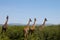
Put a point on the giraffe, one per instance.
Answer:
(33, 26)
(26, 28)
(43, 25)
(4, 27)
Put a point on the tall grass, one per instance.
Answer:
(16, 33)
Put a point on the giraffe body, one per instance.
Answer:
(4, 27)
(43, 25)
(26, 29)
(32, 29)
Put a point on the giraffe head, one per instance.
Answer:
(45, 19)
(30, 20)
(7, 17)
(34, 19)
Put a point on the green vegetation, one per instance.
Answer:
(16, 33)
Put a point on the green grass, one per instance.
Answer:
(16, 33)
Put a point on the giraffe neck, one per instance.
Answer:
(34, 24)
(28, 24)
(6, 22)
(43, 23)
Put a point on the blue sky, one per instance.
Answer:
(19, 11)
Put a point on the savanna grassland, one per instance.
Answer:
(51, 32)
